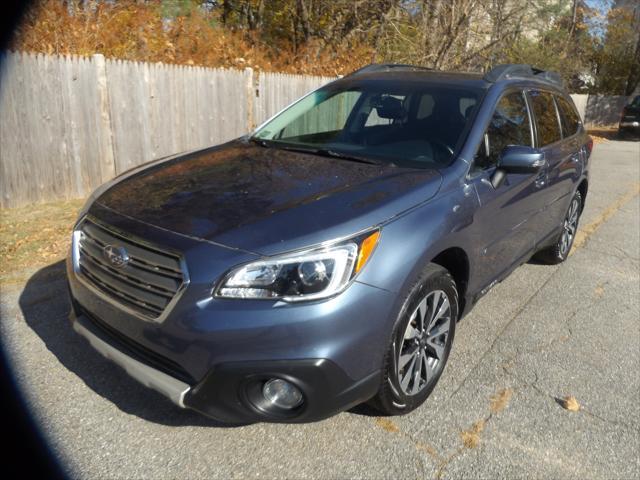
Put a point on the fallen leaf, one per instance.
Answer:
(570, 403)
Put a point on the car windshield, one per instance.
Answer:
(418, 126)
(636, 102)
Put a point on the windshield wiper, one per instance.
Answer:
(325, 152)
(259, 142)
(353, 158)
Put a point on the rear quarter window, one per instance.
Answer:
(569, 116)
(544, 110)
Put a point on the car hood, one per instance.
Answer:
(266, 200)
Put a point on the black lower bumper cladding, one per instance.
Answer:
(232, 392)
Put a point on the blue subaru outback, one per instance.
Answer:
(324, 260)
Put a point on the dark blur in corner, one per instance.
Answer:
(25, 453)
(12, 12)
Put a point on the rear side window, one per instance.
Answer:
(569, 116)
(544, 110)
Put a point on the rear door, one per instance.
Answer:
(557, 135)
(503, 225)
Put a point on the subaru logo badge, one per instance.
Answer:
(117, 256)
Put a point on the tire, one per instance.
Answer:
(401, 389)
(559, 251)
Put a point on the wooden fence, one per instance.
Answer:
(69, 124)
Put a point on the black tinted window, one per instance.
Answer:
(509, 126)
(546, 117)
(569, 116)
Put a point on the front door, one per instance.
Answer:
(505, 225)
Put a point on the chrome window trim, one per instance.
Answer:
(552, 93)
(75, 262)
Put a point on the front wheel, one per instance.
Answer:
(420, 343)
(559, 252)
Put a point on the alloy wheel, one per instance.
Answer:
(423, 345)
(569, 227)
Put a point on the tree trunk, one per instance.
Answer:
(633, 80)
(304, 19)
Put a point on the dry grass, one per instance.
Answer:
(603, 134)
(387, 425)
(471, 437)
(35, 235)
(429, 450)
(500, 400)
(599, 291)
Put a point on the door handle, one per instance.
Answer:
(541, 179)
(487, 182)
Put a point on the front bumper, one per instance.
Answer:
(229, 393)
(332, 349)
(172, 388)
(630, 127)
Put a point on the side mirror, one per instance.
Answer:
(517, 159)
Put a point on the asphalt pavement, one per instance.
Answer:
(543, 334)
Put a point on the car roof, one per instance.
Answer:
(412, 74)
(416, 77)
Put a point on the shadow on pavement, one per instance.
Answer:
(45, 306)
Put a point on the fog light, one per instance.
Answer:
(282, 394)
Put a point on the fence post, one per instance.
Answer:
(250, 100)
(107, 158)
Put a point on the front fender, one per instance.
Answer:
(410, 242)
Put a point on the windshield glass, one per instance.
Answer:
(415, 125)
(636, 102)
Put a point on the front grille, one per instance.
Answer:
(146, 284)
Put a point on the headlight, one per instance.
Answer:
(309, 275)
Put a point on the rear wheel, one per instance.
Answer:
(420, 343)
(559, 252)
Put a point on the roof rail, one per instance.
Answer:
(387, 67)
(503, 72)
(551, 77)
